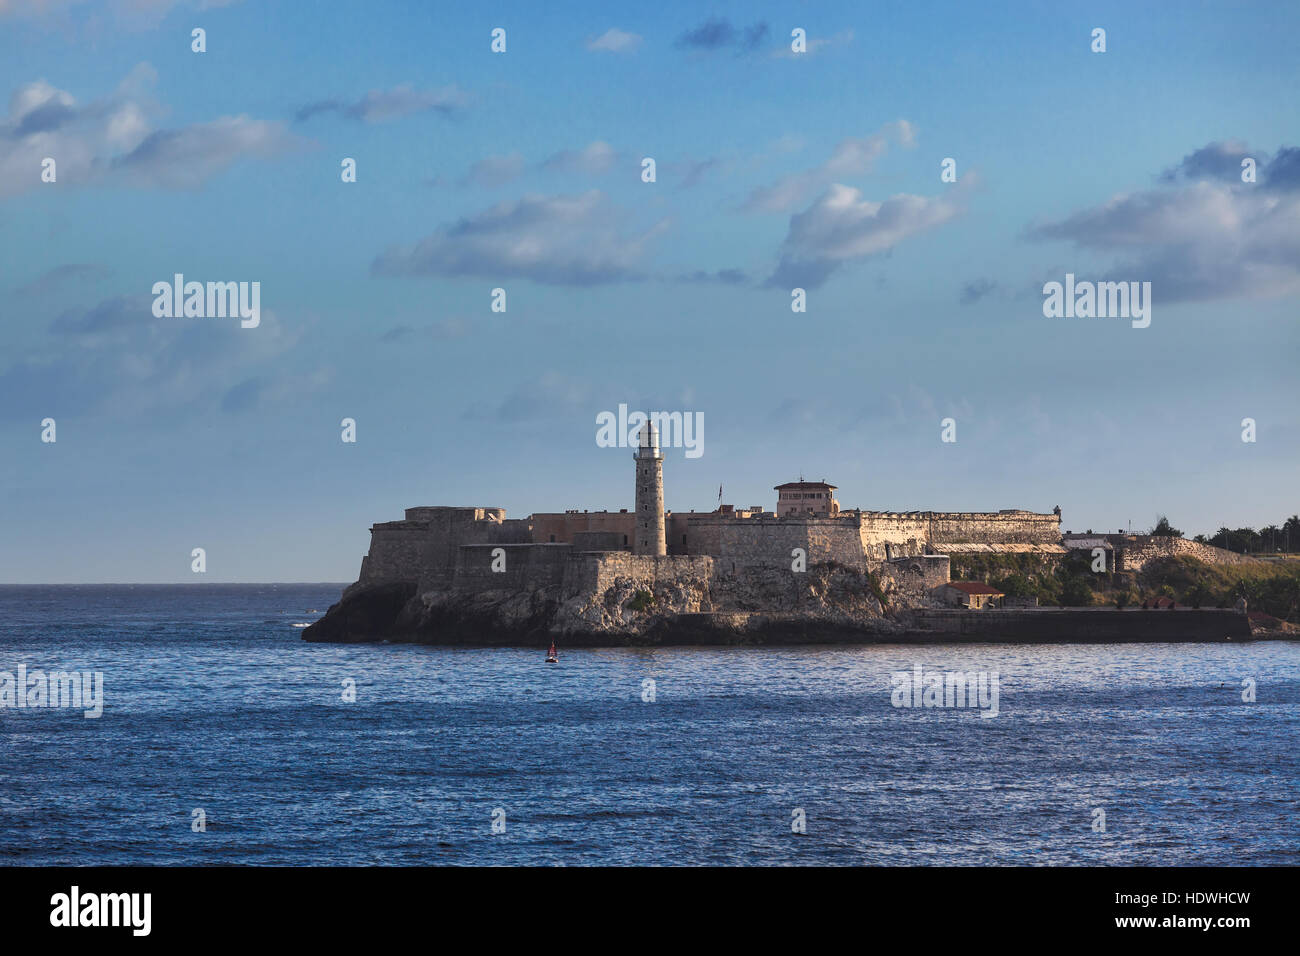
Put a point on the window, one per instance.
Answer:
(552, 539)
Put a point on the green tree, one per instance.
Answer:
(1164, 529)
(1017, 585)
(1076, 592)
(1291, 533)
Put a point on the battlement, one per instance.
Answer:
(442, 547)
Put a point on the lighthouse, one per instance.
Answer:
(649, 537)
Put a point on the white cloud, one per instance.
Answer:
(115, 355)
(114, 137)
(131, 14)
(841, 226)
(184, 158)
(1212, 238)
(495, 170)
(594, 159)
(559, 240)
(382, 106)
(850, 157)
(614, 40)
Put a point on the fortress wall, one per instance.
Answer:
(1006, 527)
(834, 540)
(703, 535)
(394, 555)
(597, 572)
(1132, 555)
(761, 543)
(426, 547)
(743, 543)
(908, 533)
(527, 567)
(597, 541)
(427, 512)
(677, 529)
(921, 574)
(563, 525)
(450, 528)
(905, 534)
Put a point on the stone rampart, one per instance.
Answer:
(1133, 552)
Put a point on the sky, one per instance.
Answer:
(523, 170)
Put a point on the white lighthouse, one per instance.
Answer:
(650, 537)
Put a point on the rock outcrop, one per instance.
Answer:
(827, 602)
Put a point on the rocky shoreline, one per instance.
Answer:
(832, 606)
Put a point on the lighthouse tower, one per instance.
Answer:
(649, 537)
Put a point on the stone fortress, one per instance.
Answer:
(806, 571)
(468, 549)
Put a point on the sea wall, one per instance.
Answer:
(1079, 625)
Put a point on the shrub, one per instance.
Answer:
(1076, 592)
(641, 601)
(873, 583)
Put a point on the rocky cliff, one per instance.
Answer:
(693, 605)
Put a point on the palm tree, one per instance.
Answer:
(1291, 531)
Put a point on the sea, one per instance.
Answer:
(224, 738)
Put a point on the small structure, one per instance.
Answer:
(806, 498)
(971, 594)
(924, 572)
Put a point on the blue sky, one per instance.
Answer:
(522, 170)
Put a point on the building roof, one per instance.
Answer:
(973, 587)
(978, 547)
(804, 484)
(1077, 543)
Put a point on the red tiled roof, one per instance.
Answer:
(973, 587)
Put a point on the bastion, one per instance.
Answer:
(804, 571)
(446, 574)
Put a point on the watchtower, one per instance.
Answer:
(650, 537)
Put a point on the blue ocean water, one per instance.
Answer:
(213, 702)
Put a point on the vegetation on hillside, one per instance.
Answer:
(1271, 587)
(1271, 539)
